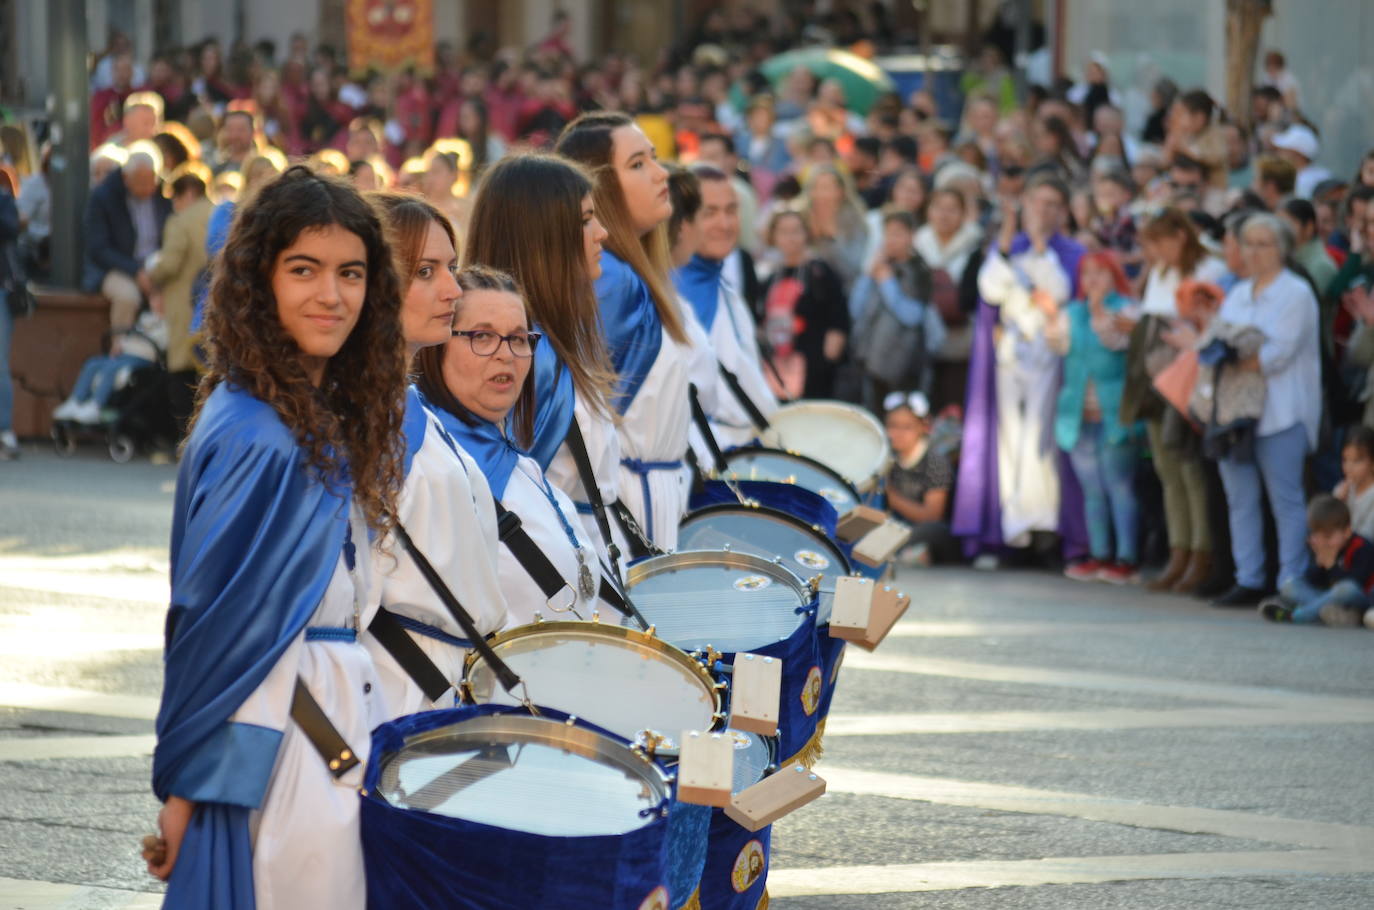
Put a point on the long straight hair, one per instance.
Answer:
(589, 141)
(527, 221)
(1175, 222)
(406, 219)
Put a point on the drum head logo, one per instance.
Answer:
(752, 582)
(811, 692)
(740, 740)
(811, 559)
(749, 867)
(657, 899)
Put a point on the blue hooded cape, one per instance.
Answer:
(255, 540)
(554, 398)
(699, 284)
(634, 332)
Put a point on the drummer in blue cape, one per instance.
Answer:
(707, 221)
(648, 344)
(446, 506)
(291, 468)
(479, 380)
(534, 218)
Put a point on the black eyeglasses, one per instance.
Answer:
(485, 344)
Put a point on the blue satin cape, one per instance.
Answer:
(634, 333)
(554, 398)
(255, 541)
(699, 284)
(494, 453)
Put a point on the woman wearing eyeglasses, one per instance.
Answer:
(478, 382)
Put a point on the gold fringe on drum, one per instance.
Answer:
(809, 754)
(693, 902)
(763, 901)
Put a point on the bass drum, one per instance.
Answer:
(842, 436)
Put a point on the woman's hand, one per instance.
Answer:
(1180, 335)
(832, 346)
(1044, 302)
(1124, 323)
(160, 853)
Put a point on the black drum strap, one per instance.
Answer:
(527, 553)
(755, 415)
(704, 428)
(640, 546)
(578, 447)
(408, 654)
(323, 735)
(507, 677)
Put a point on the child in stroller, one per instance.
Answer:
(123, 394)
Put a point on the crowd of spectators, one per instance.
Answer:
(1131, 346)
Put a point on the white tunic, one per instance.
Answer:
(526, 497)
(447, 508)
(734, 337)
(307, 851)
(653, 431)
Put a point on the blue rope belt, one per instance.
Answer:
(642, 468)
(419, 628)
(584, 508)
(330, 633)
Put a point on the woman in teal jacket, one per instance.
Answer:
(1091, 334)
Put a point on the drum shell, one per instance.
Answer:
(730, 864)
(417, 859)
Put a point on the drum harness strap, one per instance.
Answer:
(504, 674)
(704, 427)
(640, 546)
(537, 565)
(755, 415)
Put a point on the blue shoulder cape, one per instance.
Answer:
(699, 284)
(255, 541)
(634, 332)
(487, 445)
(554, 398)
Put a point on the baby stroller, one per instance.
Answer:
(136, 418)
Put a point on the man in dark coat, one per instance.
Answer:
(123, 226)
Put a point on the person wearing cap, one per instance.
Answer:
(1299, 145)
(918, 483)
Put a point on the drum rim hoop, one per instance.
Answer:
(730, 559)
(570, 735)
(852, 411)
(773, 512)
(807, 459)
(623, 633)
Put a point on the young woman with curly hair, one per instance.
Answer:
(533, 218)
(445, 503)
(639, 311)
(293, 464)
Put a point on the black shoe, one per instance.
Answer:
(1275, 610)
(1240, 596)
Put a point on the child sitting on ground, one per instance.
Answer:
(919, 481)
(1357, 489)
(1334, 590)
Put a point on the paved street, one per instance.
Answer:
(1021, 742)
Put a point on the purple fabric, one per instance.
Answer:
(977, 505)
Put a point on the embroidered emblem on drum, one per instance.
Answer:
(811, 559)
(836, 497)
(657, 899)
(748, 867)
(752, 582)
(811, 692)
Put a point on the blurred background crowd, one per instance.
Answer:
(1057, 256)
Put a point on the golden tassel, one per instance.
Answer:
(810, 753)
(763, 901)
(693, 902)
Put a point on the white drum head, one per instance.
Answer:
(844, 437)
(617, 678)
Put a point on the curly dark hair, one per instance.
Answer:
(349, 427)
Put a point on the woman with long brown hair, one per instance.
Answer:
(445, 503)
(1175, 252)
(639, 311)
(293, 464)
(533, 218)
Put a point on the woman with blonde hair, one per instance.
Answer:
(639, 311)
